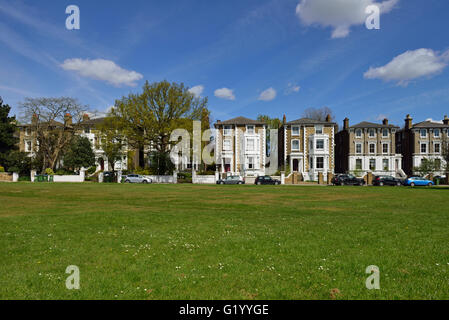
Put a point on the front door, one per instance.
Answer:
(295, 165)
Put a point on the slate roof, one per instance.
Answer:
(305, 121)
(366, 124)
(240, 121)
(430, 124)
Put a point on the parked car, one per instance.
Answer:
(347, 180)
(135, 178)
(266, 180)
(418, 181)
(386, 181)
(232, 180)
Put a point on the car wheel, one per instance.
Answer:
(127, 181)
(240, 182)
(412, 184)
(398, 184)
(144, 181)
(259, 183)
(430, 184)
(381, 184)
(222, 183)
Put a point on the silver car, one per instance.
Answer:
(135, 178)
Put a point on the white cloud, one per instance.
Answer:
(409, 66)
(292, 88)
(268, 95)
(197, 91)
(104, 70)
(225, 93)
(340, 15)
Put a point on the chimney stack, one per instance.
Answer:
(284, 120)
(328, 118)
(408, 122)
(385, 122)
(68, 119)
(346, 124)
(446, 120)
(86, 117)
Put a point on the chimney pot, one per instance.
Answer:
(385, 122)
(408, 122)
(446, 120)
(346, 124)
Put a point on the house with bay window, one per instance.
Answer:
(423, 140)
(368, 147)
(241, 147)
(307, 147)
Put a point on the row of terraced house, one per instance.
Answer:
(303, 148)
(307, 147)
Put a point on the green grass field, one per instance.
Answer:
(222, 242)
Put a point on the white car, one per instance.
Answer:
(135, 178)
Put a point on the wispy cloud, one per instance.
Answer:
(268, 95)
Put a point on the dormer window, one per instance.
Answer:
(358, 133)
(372, 133)
(385, 133)
(250, 129)
(319, 129)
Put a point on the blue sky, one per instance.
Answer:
(249, 57)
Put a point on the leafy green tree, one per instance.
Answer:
(8, 141)
(19, 162)
(149, 118)
(79, 154)
(427, 167)
(160, 163)
(112, 140)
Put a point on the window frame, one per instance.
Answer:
(299, 145)
(369, 148)
(227, 130)
(253, 130)
(293, 131)
(319, 166)
(316, 144)
(319, 129)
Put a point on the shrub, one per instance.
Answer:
(24, 178)
(91, 170)
(49, 172)
(2, 169)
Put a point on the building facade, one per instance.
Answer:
(368, 147)
(423, 140)
(241, 147)
(307, 147)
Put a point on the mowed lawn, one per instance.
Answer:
(222, 242)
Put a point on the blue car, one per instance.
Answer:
(418, 181)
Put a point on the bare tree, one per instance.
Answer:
(319, 114)
(54, 122)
